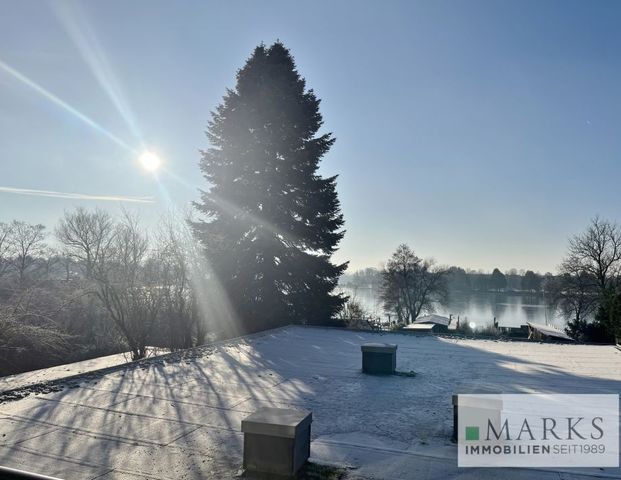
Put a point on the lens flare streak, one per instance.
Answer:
(62, 104)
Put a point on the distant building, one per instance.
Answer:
(430, 323)
(423, 327)
(537, 331)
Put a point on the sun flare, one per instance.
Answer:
(149, 161)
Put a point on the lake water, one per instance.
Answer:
(511, 310)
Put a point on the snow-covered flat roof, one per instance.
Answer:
(550, 331)
(420, 326)
(181, 417)
(433, 318)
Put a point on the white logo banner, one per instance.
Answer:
(534, 430)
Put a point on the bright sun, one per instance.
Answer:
(149, 161)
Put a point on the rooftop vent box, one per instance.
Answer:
(276, 440)
(379, 358)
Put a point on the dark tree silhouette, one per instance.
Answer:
(498, 280)
(531, 281)
(576, 298)
(608, 315)
(458, 279)
(271, 221)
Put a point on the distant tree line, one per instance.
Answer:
(462, 280)
(510, 281)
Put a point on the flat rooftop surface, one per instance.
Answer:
(180, 417)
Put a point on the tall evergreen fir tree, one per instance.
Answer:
(271, 222)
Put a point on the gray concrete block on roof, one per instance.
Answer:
(379, 347)
(277, 422)
(276, 440)
(379, 358)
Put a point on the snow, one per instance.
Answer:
(35, 377)
(179, 416)
(433, 318)
(427, 327)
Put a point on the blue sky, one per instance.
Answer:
(481, 133)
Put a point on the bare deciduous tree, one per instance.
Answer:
(179, 309)
(141, 285)
(5, 247)
(590, 275)
(115, 259)
(596, 251)
(411, 286)
(129, 293)
(27, 245)
(86, 237)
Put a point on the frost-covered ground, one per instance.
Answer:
(35, 377)
(179, 416)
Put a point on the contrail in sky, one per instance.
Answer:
(76, 196)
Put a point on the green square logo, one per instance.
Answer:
(472, 433)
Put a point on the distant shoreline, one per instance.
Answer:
(487, 292)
